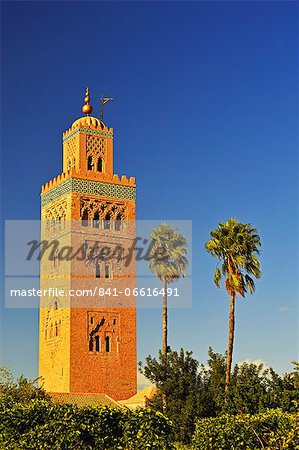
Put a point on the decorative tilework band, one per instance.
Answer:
(88, 131)
(89, 187)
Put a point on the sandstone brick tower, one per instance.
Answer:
(87, 344)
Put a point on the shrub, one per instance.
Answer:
(41, 425)
(148, 429)
(22, 390)
(181, 446)
(271, 430)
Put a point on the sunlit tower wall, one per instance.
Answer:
(87, 344)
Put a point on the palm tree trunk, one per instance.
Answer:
(230, 342)
(164, 336)
(164, 320)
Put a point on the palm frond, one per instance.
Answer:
(168, 253)
(217, 277)
(250, 283)
(237, 246)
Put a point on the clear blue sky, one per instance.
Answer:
(206, 118)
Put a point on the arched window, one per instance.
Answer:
(107, 271)
(90, 344)
(117, 225)
(97, 343)
(100, 165)
(89, 163)
(107, 222)
(98, 270)
(63, 221)
(96, 220)
(55, 304)
(56, 329)
(107, 344)
(85, 218)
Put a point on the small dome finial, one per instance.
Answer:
(87, 108)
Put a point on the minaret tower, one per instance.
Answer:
(87, 343)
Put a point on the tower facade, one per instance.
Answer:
(87, 333)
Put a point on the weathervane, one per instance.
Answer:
(104, 100)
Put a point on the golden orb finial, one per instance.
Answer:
(87, 108)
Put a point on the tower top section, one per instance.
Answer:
(88, 155)
(88, 123)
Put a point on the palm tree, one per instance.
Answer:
(168, 261)
(236, 245)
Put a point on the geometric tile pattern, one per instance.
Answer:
(70, 153)
(90, 132)
(89, 187)
(95, 145)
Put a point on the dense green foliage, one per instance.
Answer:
(194, 391)
(200, 415)
(29, 420)
(147, 429)
(22, 390)
(41, 425)
(178, 380)
(271, 430)
(253, 388)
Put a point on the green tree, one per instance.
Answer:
(290, 389)
(168, 262)
(254, 388)
(213, 383)
(22, 390)
(236, 245)
(178, 381)
(293, 377)
(195, 391)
